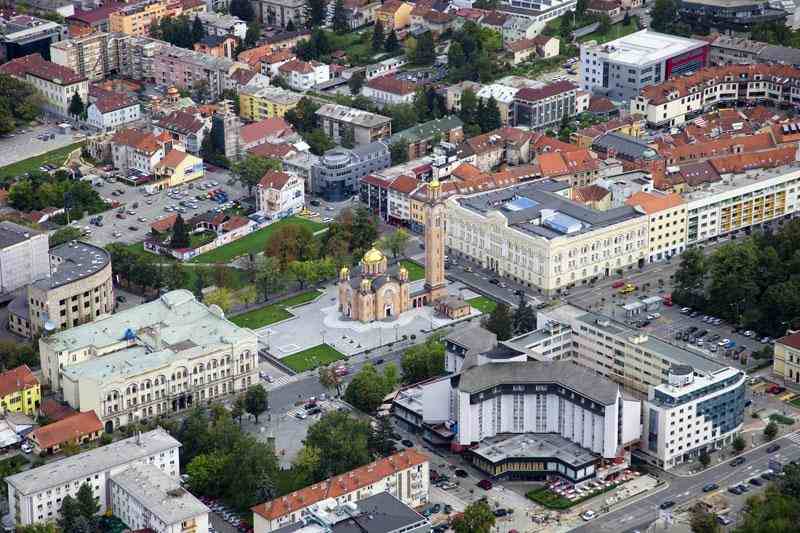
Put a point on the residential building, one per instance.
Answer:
(175, 353)
(227, 133)
(145, 498)
(20, 391)
(666, 215)
(637, 360)
(280, 195)
(621, 68)
(389, 90)
(579, 168)
(786, 360)
(94, 19)
(217, 46)
(111, 111)
(404, 475)
(23, 256)
(543, 46)
(24, 35)
(137, 57)
(734, 50)
(740, 202)
(422, 137)
(452, 93)
(95, 56)
(136, 18)
(35, 495)
(381, 513)
(177, 168)
(545, 107)
(503, 145)
(516, 28)
(55, 84)
(270, 63)
(304, 75)
(266, 102)
(337, 174)
(535, 235)
(174, 66)
(80, 428)
(394, 15)
(340, 122)
(280, 12)
(299, 163)
(692, 413)
(540, 11)
(221, 24)
(736, 16)
(77, 288)
(270, 131)
(609, 8)
(674, 101)
(187, 129)
(503, 95)
(138, 151)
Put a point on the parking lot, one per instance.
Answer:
(24, 143)
(151, 208)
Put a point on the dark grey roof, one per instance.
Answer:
(565, 373)
(73, 261)
(11, 234)
(780, 54)
(473, 338)
(502, 351)
(391, 274)
(625, 145)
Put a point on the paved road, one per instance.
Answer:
(681, 490)
(18, 146)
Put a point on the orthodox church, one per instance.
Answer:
(378, 292)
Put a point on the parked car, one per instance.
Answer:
(485, 484)
(588, 515)
(738, 461)
(667, 504)
(26, 448)
(710, 487)
(408, 444)
(773, 448)
(460, 472)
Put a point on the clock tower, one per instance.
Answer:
(434, 242)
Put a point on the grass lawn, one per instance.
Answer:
(615, 32)
(780, 419)
(54, 157)
(253, 243)
(483, 304)
(351, 42)
(796, 402)
(272, 313)
(323, 354)
(551, 500)
(415, 270)
(197, 240)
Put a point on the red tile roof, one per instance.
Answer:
(140, 140)
(390, 84)
(275, 151)
(296, 65)
(96, 15)
(37, 66)
(67, 429)
(17, 379)
(653, 203)
(54, 410)
(530, 94)
(341, 484)
(467, 172)
(172, 159)
(404, 184)
(181, 122)
(521, 45)
(113, 102)
(263, 129)
(279, 56)
(274, 179)
(590, 193)
(164, 224)
(792, 341)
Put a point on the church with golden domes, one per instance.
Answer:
(380, 292)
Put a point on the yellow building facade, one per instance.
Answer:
(20, 391)
(267, 102)
(786, 363)
(177, 168)
(136, 19)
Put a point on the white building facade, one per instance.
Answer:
(108, 116)
(23, 256)
(280, 195)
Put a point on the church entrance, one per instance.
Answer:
(388, 311)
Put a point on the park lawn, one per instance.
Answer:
(795, 401)
(415, 270)
(352, 45)
(323, 354)
(269, 314)
(614, 32)
(54, 157)
(483, 304)
(253, 243)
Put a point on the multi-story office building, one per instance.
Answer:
(786, 363)
(77, 290)
(55, 84)
(95, 56)
(23, 35)
(636, 360)
(20, 391)
(533, 233)
(666, 215)
(23, 256)
(623, 67)
(545, 107)
(361, 127)
(541, 11)
(692, 412)
(740, 202)
(734, 50)
(266, 102)
(403, 475)
(35, 495)
(160, 357)
(739, 16)
(337, 174)
(145, 498)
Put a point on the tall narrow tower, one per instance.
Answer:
(434, 242)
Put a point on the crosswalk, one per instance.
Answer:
(280, 382)
(794, 437)
(325, 405)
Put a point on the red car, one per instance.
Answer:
(341, 371)
(485, 484)
(617, 284)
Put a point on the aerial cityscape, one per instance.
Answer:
(400, 266)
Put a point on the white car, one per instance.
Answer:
(26, 448)
(588, 515)
(723, 342)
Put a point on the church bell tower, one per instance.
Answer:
(434, 242)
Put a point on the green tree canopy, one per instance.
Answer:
(342, 441)
(368, 387)
(256, 400)
(424, 361)
(500, 322)
(477, 518)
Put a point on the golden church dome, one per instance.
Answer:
(172, 91)
(373, 256)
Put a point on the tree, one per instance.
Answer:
(580, 8)
(565, 29)
(627, 18)
(242, 9)
(221, 297)
(377, 36)
(395, 242)
(381, 440)
(38, 528)
(499, 322)
(663, 15)
(197, 30)
(207, 473)
(252, 168)
(490, 118)
(302, 117)
(398, 151)
(318, 142)
(704, 458)
(368, 388)
(247, 294)
(269, 277)
(315, 13)
(76, 107)
(347, 137)
(256, 400)
(605, 24)
(469, 107)
(253, 34)
(86, 502)
(239, 409)
(290, 27)
(329, 379)
(423, 361)
(524, 316)
(355, 83)
(70, 512)
(702, 521)
(771, 431)
(64, 235)
(180, 234)
(291, 243)
(342, 441)
(738, 444)
(690, 277)
(340, 24)
(425, 52)
(391, 45)
(477, 518)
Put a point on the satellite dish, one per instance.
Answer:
(49, 327)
